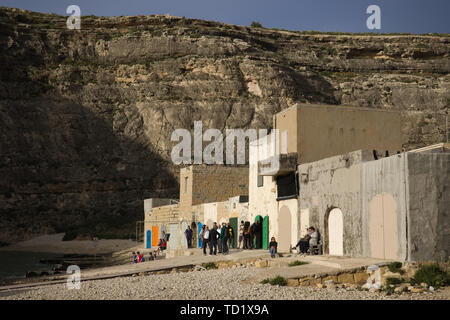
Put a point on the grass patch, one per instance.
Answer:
(209, 265)
(393, 281)
(297, 263)
(432, 275)
(395, 267)
(277, 281)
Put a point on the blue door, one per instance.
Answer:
(200, 225)
(149, 239)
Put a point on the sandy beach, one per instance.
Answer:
(53, 243)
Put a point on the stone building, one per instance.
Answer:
(207, 194)
(309, 133)
(394, 207)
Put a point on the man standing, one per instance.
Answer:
(188, 234)
(241, 234)
(219, 243)
(224, 234)
(230, 235)
(204, 234)
(213, 236)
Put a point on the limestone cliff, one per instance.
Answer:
(86, 115)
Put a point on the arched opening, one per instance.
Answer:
(336, 232)
(284, 230)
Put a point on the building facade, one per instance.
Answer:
(309, 133)
(393, 208)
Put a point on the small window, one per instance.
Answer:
(287, 186)
(260, 181)
(186, 184)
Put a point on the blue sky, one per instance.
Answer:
(412, 16)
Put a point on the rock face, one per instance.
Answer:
(86, 115)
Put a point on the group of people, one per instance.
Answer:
(218, 238)
(162, 245)
(248, 233)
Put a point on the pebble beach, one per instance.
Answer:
(219, 284)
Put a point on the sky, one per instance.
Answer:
(397, 16)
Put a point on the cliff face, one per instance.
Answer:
(86, 115)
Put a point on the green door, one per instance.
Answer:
(234, 225)
(265, 235)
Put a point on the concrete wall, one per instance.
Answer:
(385, 178)
(333, 183)
(326, 131)
(393, 208)
(429, 209)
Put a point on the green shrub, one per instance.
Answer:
(256, 24)
(395, 267)
(297, 263)
(393, 281)
(432, 275)
(209, 265)
(277, 281)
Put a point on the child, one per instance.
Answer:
(135, 258)
(273, 247)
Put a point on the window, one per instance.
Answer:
(260, 181)
(287, 187)
(186, 184)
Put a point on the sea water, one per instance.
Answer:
(15, 264)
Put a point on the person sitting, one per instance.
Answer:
(273, 247)
(139, 257)
(303, 243)
(162, 245)
(135, 257)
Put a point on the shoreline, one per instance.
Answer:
(53, 244)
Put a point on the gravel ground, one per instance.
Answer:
(229, 284)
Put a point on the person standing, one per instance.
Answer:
(230, 235)
(224, 238)
(252, 235)
(241, 235)
(219, 243)
(247, 235)
(204, 234)
(188, 234)
(213, 236)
